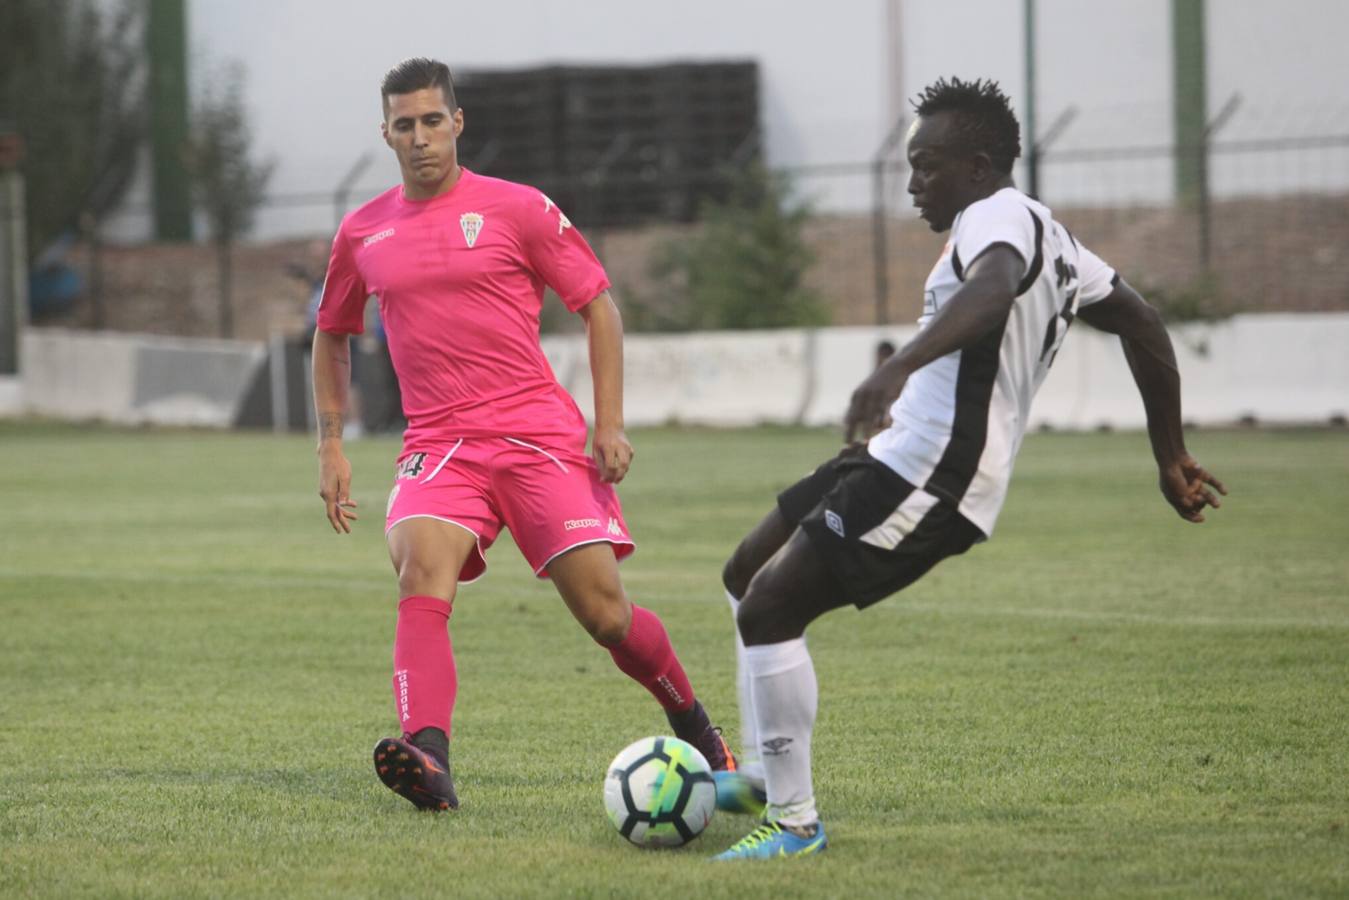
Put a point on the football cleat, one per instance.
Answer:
(415, 775)
(737, 793)
(773, 841)
(697, 729)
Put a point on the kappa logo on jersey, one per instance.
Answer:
(470, 223)
(573, 524)
(562, 220)
(377, 237)
(834, 521)
(777, 746)
(614, 527)
(412, 466)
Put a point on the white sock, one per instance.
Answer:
(750, 764)
(785, 696)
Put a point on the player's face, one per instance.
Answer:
(943, 180)
(422, 130)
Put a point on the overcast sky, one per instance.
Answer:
(831, 80)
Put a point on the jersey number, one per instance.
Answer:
(1064, 272)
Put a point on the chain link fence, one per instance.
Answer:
(1270, 234)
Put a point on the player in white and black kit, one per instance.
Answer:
(1009, 283)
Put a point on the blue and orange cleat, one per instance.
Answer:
(773, 841)
(415, 775)
(738, 793)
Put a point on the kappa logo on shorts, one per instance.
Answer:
(834, 521)
(393, 495)
(614, 528)
(573, 524)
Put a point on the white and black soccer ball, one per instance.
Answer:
(659, 792)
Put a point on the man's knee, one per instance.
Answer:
(754, 552)
(736, 574)
(419, 575)
(786, 594)
(761, 615)
(606, 618)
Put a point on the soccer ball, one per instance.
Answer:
(659, 792)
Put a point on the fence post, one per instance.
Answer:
(13, 269)
(880, 249)
(1205, 210)
(1032, 148)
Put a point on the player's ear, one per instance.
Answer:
(981, 168)
(458, 121)
(384, 132)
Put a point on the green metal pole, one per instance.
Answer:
(1028, 126)
(13, 270)
(166, 45)
(1190, 102)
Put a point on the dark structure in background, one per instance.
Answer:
(166, 45)
(615, 145)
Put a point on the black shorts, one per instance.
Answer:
(876, 532)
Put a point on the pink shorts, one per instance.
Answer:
(552, 500)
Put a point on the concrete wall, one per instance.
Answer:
(133, 379)
(1274, 369)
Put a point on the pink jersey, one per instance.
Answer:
(460, 281)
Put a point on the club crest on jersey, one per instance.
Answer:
(470, 223)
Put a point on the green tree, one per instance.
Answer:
(228, 182)
(72, 76)
(744, 266)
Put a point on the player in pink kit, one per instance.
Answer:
(459, 262)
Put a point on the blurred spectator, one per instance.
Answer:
(376, 404)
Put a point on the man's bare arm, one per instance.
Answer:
(604, 333)
(332, 383)
(1152, 360)
(976, 308)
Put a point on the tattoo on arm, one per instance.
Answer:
(330, 425)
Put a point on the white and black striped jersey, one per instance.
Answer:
(960, 419)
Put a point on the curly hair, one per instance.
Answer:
(984, 118)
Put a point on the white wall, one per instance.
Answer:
(1276, 369)
(134, 379)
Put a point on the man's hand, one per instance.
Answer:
(612, 453)
(1185, 485)
(869, 409)
(335, 487)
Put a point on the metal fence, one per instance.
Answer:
(1271, 233)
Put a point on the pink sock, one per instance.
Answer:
(646, 657)
(424, 680)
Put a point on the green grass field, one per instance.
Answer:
(1102, 701)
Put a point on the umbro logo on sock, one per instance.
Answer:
(777, 746)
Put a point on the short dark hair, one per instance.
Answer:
(985, 121)
(416, 73)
